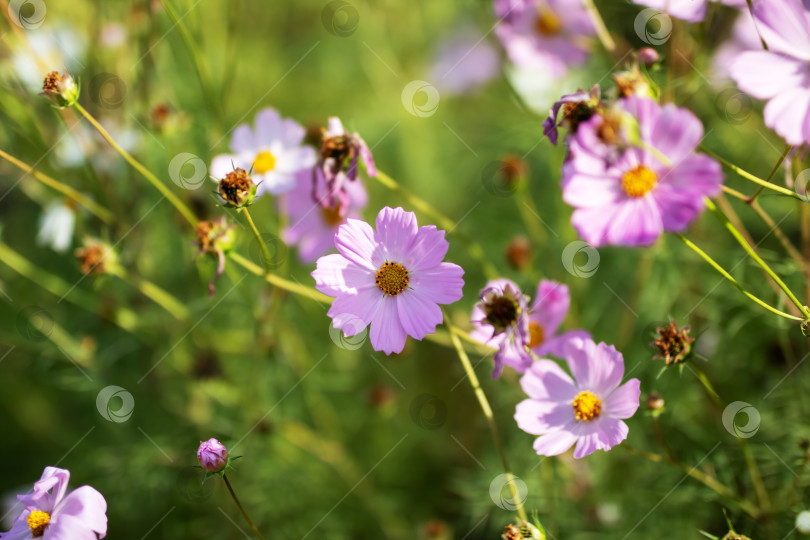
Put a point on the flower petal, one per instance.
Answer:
(442, 284)
(597, 368)
(68, 527)
(396, 229)
(355, 241)
(623, 402)
(765, 74)
(348, 309)
(268, 126)
(242, 140)
(427, 250)
(554, 443)
(550, 306)
(676, 133)
(419, 315)
(555, 346)
(538, 417)
(546, 381)
(88, 506)
(387, 334)
(335, 274)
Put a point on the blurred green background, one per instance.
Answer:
(344, 443)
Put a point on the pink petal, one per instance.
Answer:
(442, 284)
(783, 24)
(676, 133)
(427, 250)
(419, 316)
(48, 490)
(550, 306)
(679, 194)
(765, 74)
(787, 114)
(396, 229)
(596, 368)
(223, 164)
(88, 506)
(555, 345)
(291, 133)
(268, 124)
(546, 381)
(387, 334)
(335, 275)
(539, 417)
(623, 402)
(637, 222)
(364, 305)
(242, 139)
(68, 527)
(554, 443)
(355, 241)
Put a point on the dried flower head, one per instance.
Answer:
(60, 88)
(95, 257)
(654, 402)
(215, 238)
(674, 344)
(512, 170)
(237, 189)
(519, 253)
(632, 83)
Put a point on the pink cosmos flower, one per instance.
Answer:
(780, 75)
(465, 61)
(313, 223)
(547, 35)
(634, 173)
(688, 10)
(273, 150)
(586, 410)
(52, 515)
(392, 279)
(501, 320)
(545, 316)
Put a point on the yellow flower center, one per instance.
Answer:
(392, 278)
(331, 215)
(639, 181)
(37, 521)
(547, 22)
(264, 162)
(536, 335)
(587, 406)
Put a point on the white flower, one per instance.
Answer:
(58, 48)
(273, 149)
(56, 227)
(803, 522)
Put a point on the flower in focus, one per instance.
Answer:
(780, 74)
(313, 223)
(576, 108)
(392, 279)
(587, 410)
(501, 320)
(52, 513)
(545, 316)
(803, 522)
(338, 158)
(688, 10)
(212, 455)
(60, 88)
(545, 35)
(237, 189)
(215, 238)
(465, 62)
(628, 190)
(56, 226)
(674, 344)
(272, 152)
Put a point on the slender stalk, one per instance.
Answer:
(599, 25)
(241, 508)
(793, 495)
(161, 297)
(733, 281)
(748, 176)
(265, 252)
(160, 186)
(484, 403)
(296, 288)
(754, 255)
(92, 206)
(754, 197)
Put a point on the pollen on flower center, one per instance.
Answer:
(639, 181)
(547, 22)
(392, 278)
(265, 162)
(536, 334)
(587, 406)
(37, 521)
(501, 312)
(331, 215)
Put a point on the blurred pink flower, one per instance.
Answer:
(273, 150)
(547, 35)
(781, 74)
(52, 514)
(587, 410)
(465, 61)
(545, 316)
(501, 320)
(392, 279)
(688, 10)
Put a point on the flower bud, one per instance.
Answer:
(803, 522)
(61, 89)
(654, 402)
(648, 56)
(674, 344)
(212, 455)
(633, 83)
(237, 189)
(519, 253)
(96, 257)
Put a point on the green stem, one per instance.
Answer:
(599, 25)
(484, 403)
(753, 254)
(793, 497)
(757, 180)
(160, 186)
(241, 508)
(155, 293)
(754, 197)
(296, 288)
(93, 207)
(733, 281)
(268, 261)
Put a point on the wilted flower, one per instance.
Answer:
(237, 189)
(215, 238)
(273, 152)
(576, 108)
(392, 279)
(56, 226)
(61, 89)
(501, 320)
(212, 456)
(337, 163)
(53, 514)
(674, 344)
(586, 410)
(96, 257)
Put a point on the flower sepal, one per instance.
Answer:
(228, 467)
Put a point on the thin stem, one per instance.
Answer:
(443, 221)
(757, 180)
(265, 252)
(161, 297)
(754, 255)
(296, 288)
(754, 197)
(93, 207)
(241, 508)
(484, 403)
(793, 494)
(166, 192)
(599, 25)
(733, 281)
